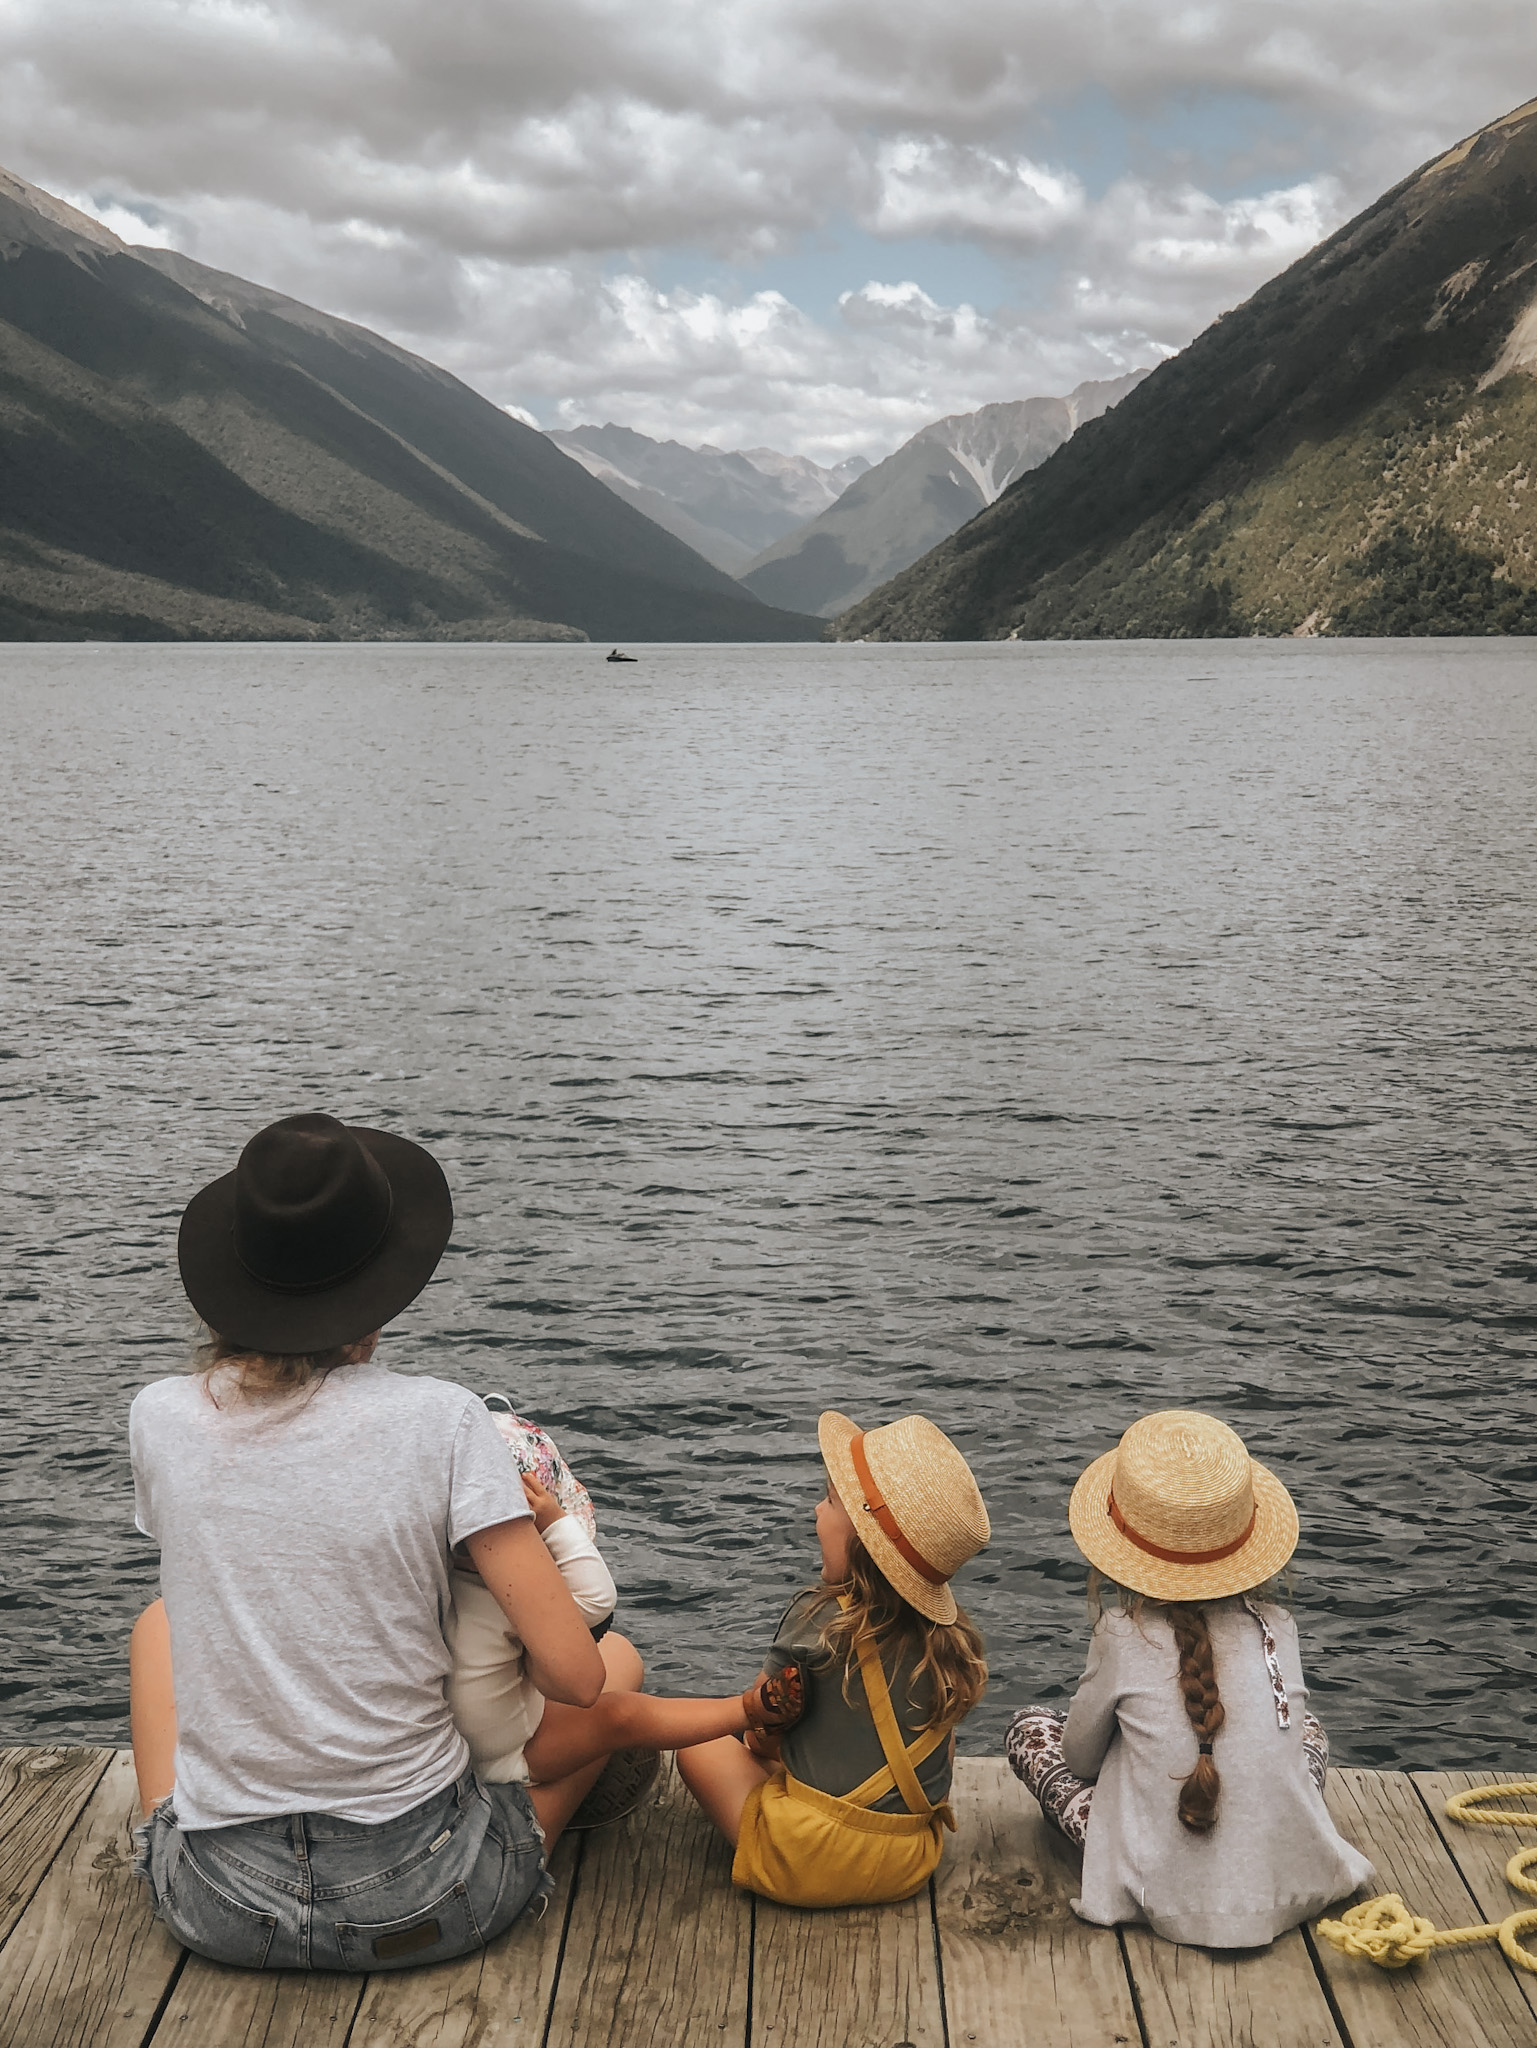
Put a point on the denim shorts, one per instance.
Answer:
(310, 1892)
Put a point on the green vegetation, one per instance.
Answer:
(1429, 583)
(1336, 456)
(186, 456)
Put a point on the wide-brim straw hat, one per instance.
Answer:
(913, 1502)
(321, 1234)
(1180, 1511)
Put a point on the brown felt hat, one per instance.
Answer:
(322, 1233)
(913, 1502)
(1180, 1511)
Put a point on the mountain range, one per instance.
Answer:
(185, 454)
(931, 485)
(1349, 452)
(726, 504)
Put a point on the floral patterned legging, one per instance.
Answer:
(1033, 1747)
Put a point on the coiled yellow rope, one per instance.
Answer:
(1386, 1932)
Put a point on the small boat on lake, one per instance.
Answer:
(617, 656)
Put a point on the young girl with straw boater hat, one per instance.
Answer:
(1188, 1767)
(849, 1807)
(310, 1801)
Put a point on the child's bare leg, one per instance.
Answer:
(570, 1737)
(152, 1705)
(557, 1799)
(720, 1775)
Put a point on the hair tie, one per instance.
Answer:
(1204, 1748)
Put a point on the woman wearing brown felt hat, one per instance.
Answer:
(311, 1802)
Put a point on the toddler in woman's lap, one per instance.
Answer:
(493, 1700)
(513, 1732)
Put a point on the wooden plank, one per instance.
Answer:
(87, 1965)
(859, 1977)
(658, 1942)
(42, 1793)
(500, 1998)
(1463, 1999)
(256, 2009)
(855, 1977)
(1261, 1998)
(1019, 1966)
(1482, 1853)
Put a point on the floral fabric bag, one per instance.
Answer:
(533, 1451)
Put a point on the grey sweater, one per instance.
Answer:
(1274, 1857)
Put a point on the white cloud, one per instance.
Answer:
(1164, 261)
(758, 371)
(141, 230)
(485, 181)
(927, 186)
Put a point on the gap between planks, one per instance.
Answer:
(990, 1956)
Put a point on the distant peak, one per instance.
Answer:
(1507, 125)
(58, 214)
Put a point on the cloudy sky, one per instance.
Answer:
(806, 224)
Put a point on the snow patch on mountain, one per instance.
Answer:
(947, 473)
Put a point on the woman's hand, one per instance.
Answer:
(546, 1507)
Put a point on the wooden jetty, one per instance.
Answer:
(646, 1945)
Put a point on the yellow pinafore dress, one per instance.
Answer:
(809, 1848)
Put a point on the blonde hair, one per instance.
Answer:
(951, 1655)
(1276, 1591)
(258, 1374)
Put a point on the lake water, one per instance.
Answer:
(1029, 1035)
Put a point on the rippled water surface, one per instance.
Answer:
(1029, 1035)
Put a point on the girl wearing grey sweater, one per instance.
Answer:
(1188, 1767)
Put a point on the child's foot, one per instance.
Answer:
(621, 1785)
(777, 1700)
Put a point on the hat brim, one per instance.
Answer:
(270, 1319)
(1269, 1544)
(835, 1433)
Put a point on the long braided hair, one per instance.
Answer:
(1199, 1792)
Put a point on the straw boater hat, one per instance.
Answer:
(322, 1233)
(913, 1502)
(1180, 1511)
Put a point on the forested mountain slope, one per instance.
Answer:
(185, 454)
(932, 484)
(1349, 452)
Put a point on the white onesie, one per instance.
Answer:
(490, 1694)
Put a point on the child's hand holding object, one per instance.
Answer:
(546, 1507)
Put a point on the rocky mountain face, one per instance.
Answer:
(186, 454)
(934, 483)
(1350, 452)
(726, 504)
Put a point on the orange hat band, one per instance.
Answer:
(1179, 1556)
(885, 1520)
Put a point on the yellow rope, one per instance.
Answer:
(1386, 1932)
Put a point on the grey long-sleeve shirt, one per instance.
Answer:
(1273, 1859)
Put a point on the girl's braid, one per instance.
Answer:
(1198, 1683)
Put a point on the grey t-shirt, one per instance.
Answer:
(834, 1745)
(304, 1564)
